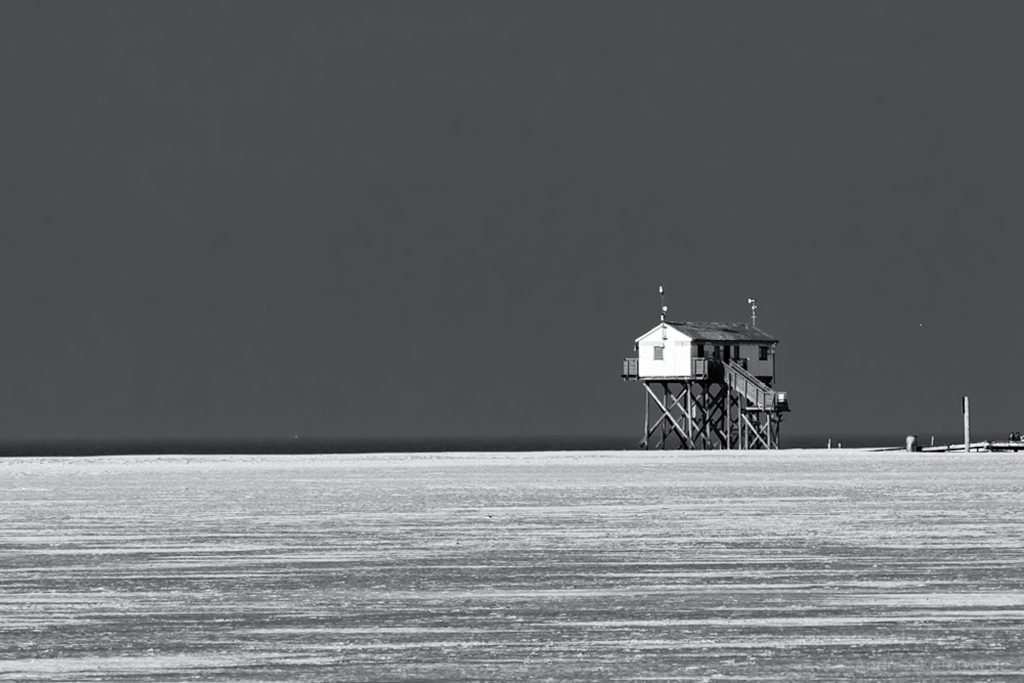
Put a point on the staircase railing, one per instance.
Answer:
(759, 395)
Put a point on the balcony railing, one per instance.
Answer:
(699, 368)
(758, 395)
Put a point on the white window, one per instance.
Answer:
(659, 353)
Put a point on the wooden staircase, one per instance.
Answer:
(759, 396)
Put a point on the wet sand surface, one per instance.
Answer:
(813, 565)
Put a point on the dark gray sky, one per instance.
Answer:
(260, 219)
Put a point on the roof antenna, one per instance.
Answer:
(664, 310)
(753, 312)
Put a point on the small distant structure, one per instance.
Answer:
(1014, 441)
(707, 385)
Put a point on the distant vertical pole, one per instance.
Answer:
(967, 424)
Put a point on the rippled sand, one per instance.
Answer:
(815, 565)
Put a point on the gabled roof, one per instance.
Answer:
(723, 332)
(670, 331)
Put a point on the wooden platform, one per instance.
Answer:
(980, 447)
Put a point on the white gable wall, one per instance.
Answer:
(676, 353)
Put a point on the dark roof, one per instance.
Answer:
(725, 332)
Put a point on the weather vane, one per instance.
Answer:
(753, 312)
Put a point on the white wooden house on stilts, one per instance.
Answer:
(708, 385)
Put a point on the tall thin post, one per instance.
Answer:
(666, 427)
(647, 418)
(746, 441)
(687, 398)
(728, 419)
(967, 424)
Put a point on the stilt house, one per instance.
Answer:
(710, 385)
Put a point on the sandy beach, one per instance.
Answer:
(812, 565)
